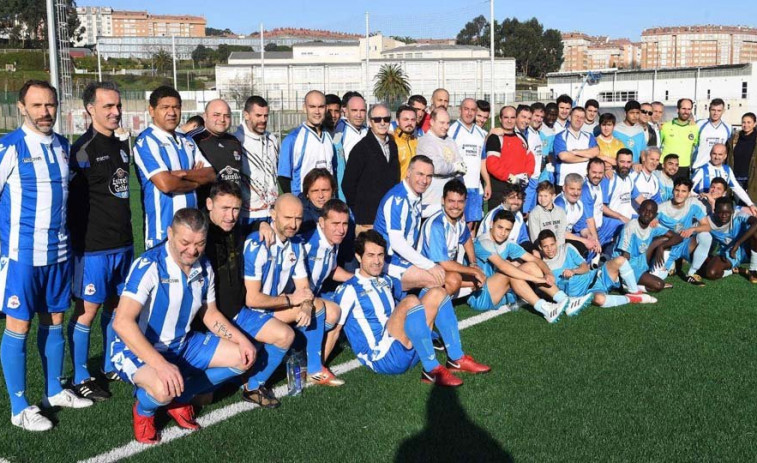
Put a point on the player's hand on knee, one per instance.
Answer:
(304, 314)
(438, 273)
(247, 353)
(171, 379)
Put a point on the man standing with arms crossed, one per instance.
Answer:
(99, 218)
(35, 270)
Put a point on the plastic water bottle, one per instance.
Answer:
(296, 373)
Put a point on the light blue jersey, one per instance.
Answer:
(485, 246)
(440, 239)
(679, 219)
(34, 173)
(729, 232)
(302, 151)
(321, 258)
(276, 266)
(169, 297)
(636, 240)
(666, 185)
(157, 151)
(632, 137)
(518, 234)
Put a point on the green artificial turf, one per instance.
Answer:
(674, 381)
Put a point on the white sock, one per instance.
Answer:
(752, 261)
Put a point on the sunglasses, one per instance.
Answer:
(648, 113)
(385, 120)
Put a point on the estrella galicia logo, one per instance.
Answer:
(119, 184)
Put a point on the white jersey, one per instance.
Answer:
(470, 144)
(709, 136)
(347, 135)
(646, 186)
(260, 186)
(617, 194)
(536, 147)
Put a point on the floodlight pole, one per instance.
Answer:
(367, 58)
(173, 54)
(262, 62)
(99, 63)
(52, 47)
(491, 48)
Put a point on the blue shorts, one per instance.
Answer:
(474, 205)
(251, 321)
(594, 281)
(609, 230)
(389, 357)
(482, 299)
(639, 265)
(192, 357)
(26, 290)
(742, 255)
(680, 251)
(396, 267)
(99, 276)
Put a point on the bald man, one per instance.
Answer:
(222, 149)
(269, 273)
(439, 99)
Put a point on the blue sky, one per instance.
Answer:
(444, 18)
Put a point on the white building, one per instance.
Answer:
(146, 47)
(465, 71)
(735, 84)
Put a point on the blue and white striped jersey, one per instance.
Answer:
(709, 136)
(170, 298)
(366, 305)
(346, 136)
(518, 234)
(591, 197)
(276, 266)
(34, 175)
(569, 141)
(400, 210)
(574, 213)
(156, 151)
(321, 258)
(302, 151)
(440, 239)
(707, 173)
(632, 137)
(470, 144)
(679, 219)
(636, 240)
(646, 186)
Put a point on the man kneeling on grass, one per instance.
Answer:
(155, 350)
(576, 279)
(499, 258)
(389, 331)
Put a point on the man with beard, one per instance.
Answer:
(616, 197)
(680, 136)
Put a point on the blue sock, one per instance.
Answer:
(614, 300)
(268, 361)
(559, 296)
(419, 334)
(206, 381)
(629, 277)
(328, 326)
(13, 359)
(51, 348)
(78, 344)
(446, 323)
(539, 306)
(109, 335)
(704, 242)
(147, 404)
(314, 336)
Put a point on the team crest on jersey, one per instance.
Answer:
(237, 156)
(124, 156)
(631, 143)
(13, 302)
(119, 184)
(292, 257)
(691, 136)
(89, 290)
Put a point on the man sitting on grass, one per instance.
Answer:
(576, 279)
(737, 236)
(389, 331)
(495, 255)
(155, 350)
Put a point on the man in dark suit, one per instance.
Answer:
(372, 169)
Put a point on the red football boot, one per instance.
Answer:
(184, 415)
(144, 428)
(441, 377)
(466, 364)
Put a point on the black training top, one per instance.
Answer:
(224, 152)
(99, 217)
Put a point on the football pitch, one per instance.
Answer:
(674, 381)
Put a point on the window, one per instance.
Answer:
(744, 90)
(708, 93)
(667, 95)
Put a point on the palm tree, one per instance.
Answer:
(162, 60)
(391, 84)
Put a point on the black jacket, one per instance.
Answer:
(368, 176)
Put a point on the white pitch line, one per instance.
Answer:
(231, 410)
